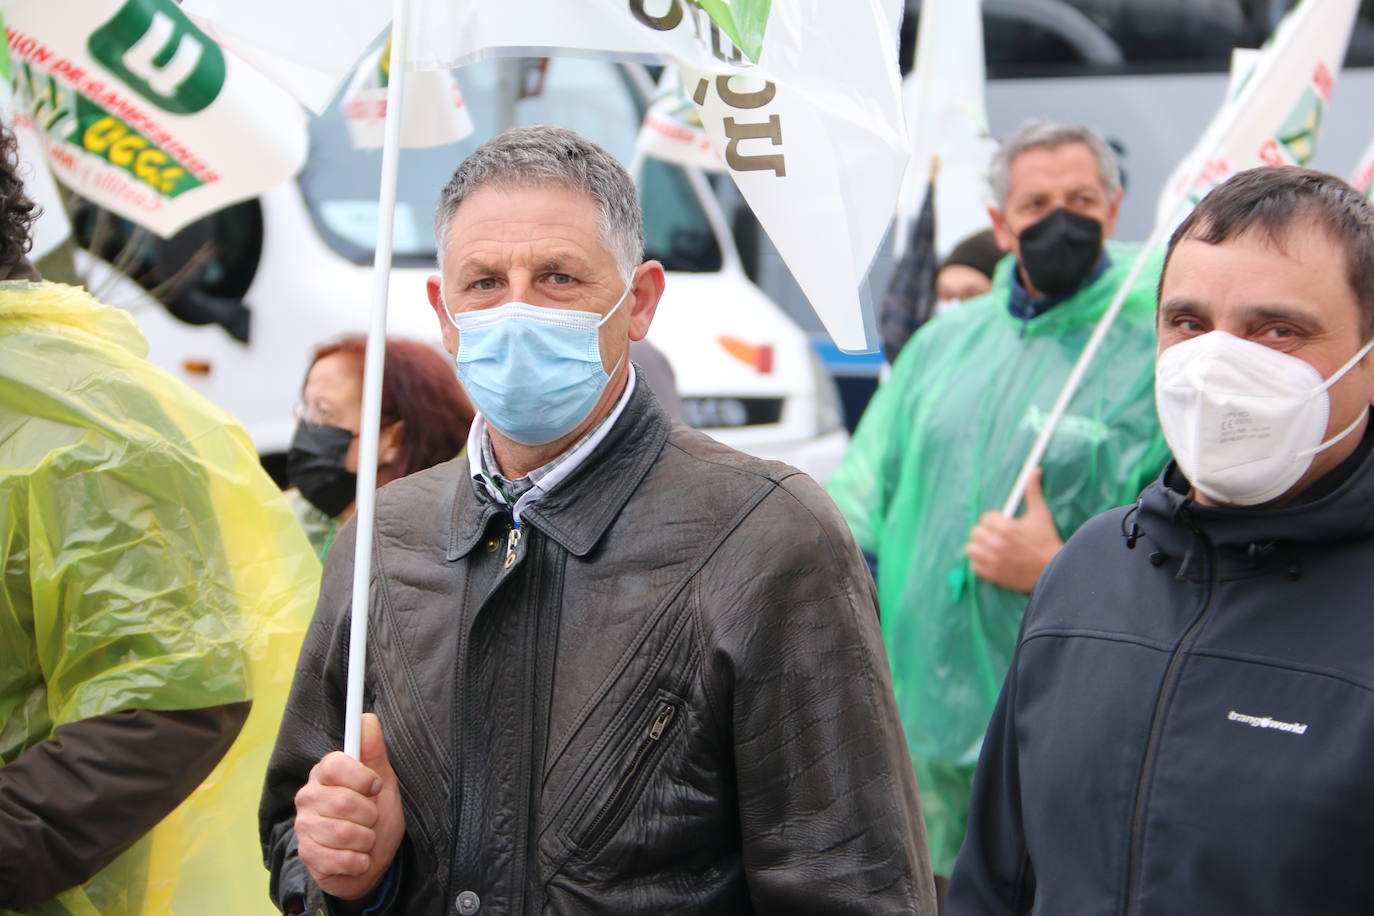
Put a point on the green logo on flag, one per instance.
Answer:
(101, 133)
(4, 55)
(73, 119)
(1303, 126)
(744, 21)
(152, 46)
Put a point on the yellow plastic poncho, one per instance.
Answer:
(148, 563)
(940, 444)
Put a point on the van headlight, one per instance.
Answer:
(731, 413)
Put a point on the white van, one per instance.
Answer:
(292, 268)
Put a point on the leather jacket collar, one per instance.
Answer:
(584, 505)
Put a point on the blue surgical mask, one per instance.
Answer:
(534, 373)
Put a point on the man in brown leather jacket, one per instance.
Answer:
(614, 666)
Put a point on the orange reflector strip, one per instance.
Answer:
(759, 357)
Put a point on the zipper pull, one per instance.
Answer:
(511, 544)
(665, 715)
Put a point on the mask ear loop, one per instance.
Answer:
(607, 317)
(621, 301)
(447, 314)
(1350, 364)
(1336, 377)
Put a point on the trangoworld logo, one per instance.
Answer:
(1293, 728)
(161, 55)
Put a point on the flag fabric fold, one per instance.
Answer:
(946, 111)
(672, 129)
(434, 112)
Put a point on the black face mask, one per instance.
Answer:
(315, 465)
(1060, 251)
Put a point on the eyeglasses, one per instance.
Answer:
(319, 414)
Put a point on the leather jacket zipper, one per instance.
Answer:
(664, 716)
(1156, 725)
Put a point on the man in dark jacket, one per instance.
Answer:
(1188, 723)
(613, 666)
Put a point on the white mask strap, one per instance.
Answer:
(1336, 376)
(447, 314)
(628, 286)
(1308, 452)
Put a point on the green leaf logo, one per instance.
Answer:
(743, 21)
(161, 55)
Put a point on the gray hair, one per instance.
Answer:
(525, 157)
(1039, 134)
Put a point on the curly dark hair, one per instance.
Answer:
(17, 212)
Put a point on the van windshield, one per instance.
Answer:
(595, 98)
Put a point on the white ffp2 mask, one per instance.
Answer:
(1243, 420)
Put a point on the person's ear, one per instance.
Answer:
(646, 286)
(1000, 230)
(1113, 212)
(389, 439)
(435, 288)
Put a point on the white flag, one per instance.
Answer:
(141, 113)
(51, 228)
(801, 99)
(672, 130)
(1275, 117)
(1363, 179)
(434, 112)
(946, 111)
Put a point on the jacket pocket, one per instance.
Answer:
(650, 741)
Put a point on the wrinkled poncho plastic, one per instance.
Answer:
(148, 563)
(942, 442)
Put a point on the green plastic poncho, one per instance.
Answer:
(148, 563)
(940, 444)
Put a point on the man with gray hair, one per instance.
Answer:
(945, 436)
(614, 666)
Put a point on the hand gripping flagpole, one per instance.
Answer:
(373, 365)
(1080, 368)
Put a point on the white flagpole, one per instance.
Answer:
(372, 383)
(1085, 359)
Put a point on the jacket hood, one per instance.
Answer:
(71, 308)
(1168, 516)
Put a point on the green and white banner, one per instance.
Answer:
(1274, 112)
(672, 130)
(1363, 179)
(141, 113)
(802, 100)
(434, 112)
